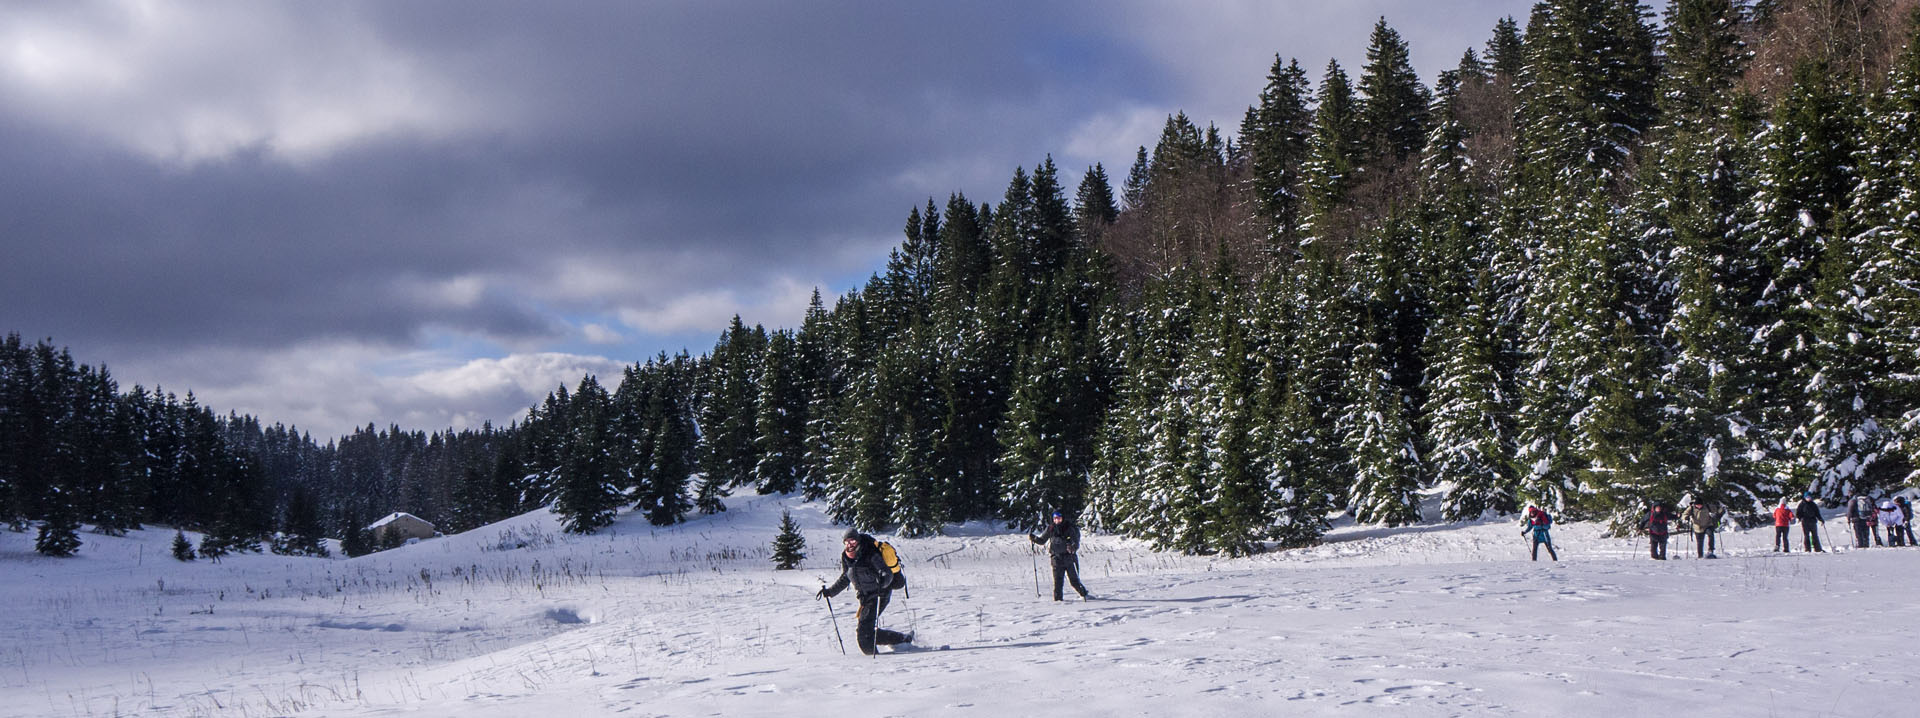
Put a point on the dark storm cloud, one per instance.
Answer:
(106, 246)
(753, 131)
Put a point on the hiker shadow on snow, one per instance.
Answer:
(1195, 599)
(1029, 644)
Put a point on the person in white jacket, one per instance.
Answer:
(1895, 522)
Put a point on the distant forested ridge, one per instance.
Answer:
(1609, 258)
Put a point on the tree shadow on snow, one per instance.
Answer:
(1344, 529)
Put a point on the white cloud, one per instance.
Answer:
(328, 388)
(602, 334)
(530, 375)
(192, 82)
(782, 303)
(1112, 138)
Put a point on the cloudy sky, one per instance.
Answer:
(432, 213)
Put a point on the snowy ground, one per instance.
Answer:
(691, 620)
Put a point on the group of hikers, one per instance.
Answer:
(1867, 518)
(869, 567)
(1703, 517)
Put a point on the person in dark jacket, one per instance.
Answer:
(862, 567)
(1808, 511)
(1538, 524)
(1906, 512)
(1656, 527)
(1062, 540)
(1860, 518)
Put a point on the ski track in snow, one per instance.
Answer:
(1430, 620)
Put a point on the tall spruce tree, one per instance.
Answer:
(300, 530)
(1380, 439)
(1471, 417)
(1694, 201)
(1093, 207)
(1506, 54)
(1134, 192)
(1334, 154)
(1047, 438)
(781, 422)
(859, 495)
(1275, 134)
(587, 494)
(727, 413)
(1889, 274)
(1393, 109)
(1586, 89)
(1807, 170)
(669, 416)
(1239, 463)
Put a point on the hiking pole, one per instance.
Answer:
(1035, 555)
(836, 620)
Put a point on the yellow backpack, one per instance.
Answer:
(892, 559)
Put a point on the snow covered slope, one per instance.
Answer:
(518, 619)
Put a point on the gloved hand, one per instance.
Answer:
(822, 593)
(1032, 538)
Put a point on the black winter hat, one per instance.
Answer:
(852, 533)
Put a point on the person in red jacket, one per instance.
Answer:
(1782, 520)
(1656, 527)
(1537, 524)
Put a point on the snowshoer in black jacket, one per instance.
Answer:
(862, 567)
(1808, 511)
(1906, 513)
(1063, 546)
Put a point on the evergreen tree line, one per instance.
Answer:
(1597, 264)
(75, 450)
(1601, 261)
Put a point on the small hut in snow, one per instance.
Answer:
(402, 525)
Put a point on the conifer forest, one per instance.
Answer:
(1618, 254)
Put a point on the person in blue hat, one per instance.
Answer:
(1062, 540)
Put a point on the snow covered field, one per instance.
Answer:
(1434, 620)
